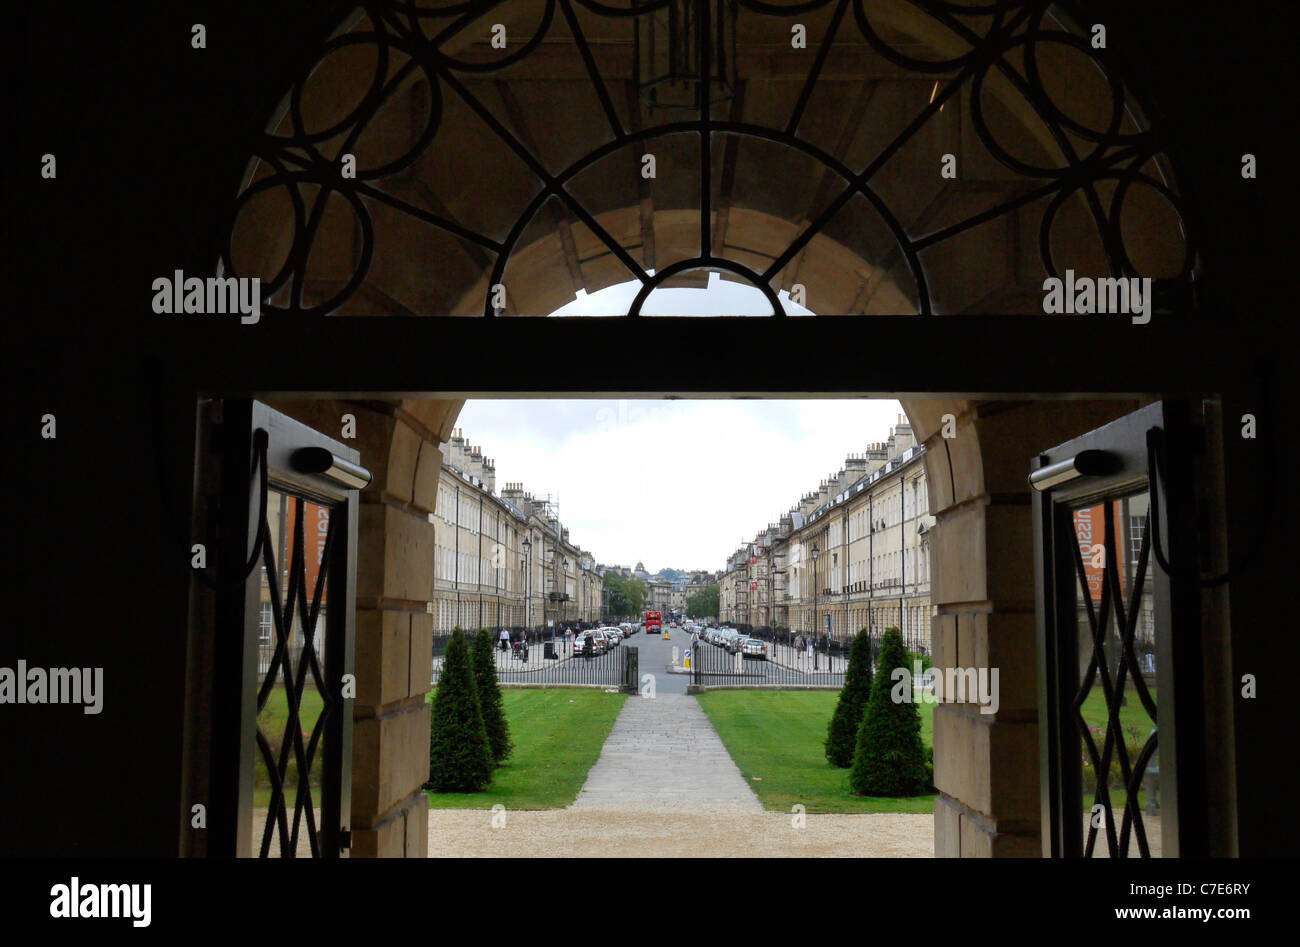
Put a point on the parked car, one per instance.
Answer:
(598, 643)
(755, 647)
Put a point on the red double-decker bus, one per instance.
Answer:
(654, 623)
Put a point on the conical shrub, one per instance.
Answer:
(890, 758)
(842, 734)
(489, 696)
(460, 758)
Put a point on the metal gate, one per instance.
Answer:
(780, 665)
(631, 670)
(543, 662)
(1121, 732)
(285, 540)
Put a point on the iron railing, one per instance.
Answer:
(786, 662)
(541, 660)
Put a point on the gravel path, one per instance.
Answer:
(565, 833)
(663, 754)
(665, 787)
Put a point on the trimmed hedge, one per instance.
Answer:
(489, 697)
(842, 734)
(460, 758)
(890, 759)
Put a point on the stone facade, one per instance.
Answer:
(870, 525)
(485, 575)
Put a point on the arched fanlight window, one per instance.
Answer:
(900, 156)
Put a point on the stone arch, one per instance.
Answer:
(986, 768)
(475, 167)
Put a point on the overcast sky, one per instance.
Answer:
(720, 298)
(675, 484)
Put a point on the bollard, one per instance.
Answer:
(675, 656)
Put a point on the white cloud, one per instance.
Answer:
(672, 483)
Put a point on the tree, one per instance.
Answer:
(842, 734)
(489, 696)
(704, 603)
(460, 758)
(626, 596)
(890, 759)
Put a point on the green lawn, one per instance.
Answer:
(272, 720)
(1133, 719)
(558, 735)
(779, 736)
(1135, 725)
(276, 712)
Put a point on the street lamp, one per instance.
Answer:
(771, 595)
(528, 581)
(815, 553)
(749, 602)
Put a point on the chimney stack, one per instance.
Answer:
(855, 468)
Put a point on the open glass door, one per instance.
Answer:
(1120, 716)
(283, 647)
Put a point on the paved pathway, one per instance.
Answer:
(664, 754)
(665, 786)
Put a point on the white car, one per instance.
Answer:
(598, 643)
(754, 647)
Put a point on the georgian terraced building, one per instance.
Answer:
(870, 526)
(498, 562)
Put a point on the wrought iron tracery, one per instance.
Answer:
(997, 35)
(282, 670)
(1113, 680)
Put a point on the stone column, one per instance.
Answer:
(986, 766)
(394, 627)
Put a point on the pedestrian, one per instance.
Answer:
(523, 647)
(587, 647)
(504, 639)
